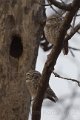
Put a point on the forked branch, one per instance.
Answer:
(51, 61)
(70, 79)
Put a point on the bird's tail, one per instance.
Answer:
(51, 95)
(65, 48)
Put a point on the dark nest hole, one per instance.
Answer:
(16, 47)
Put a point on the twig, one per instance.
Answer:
(73, 55)
(55, 10)
(76, 49)
(60, 5)
(77, 31)
(43, 4)
(58, 13)
(74, 19)
(71, 50)
(74, 80)
(77, 27)
(62, 1)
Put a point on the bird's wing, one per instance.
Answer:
(51, 95)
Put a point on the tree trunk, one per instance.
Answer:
(19, 34)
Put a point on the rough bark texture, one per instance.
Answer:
(19, 34)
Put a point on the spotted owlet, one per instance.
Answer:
(52, 28)
(32, 81)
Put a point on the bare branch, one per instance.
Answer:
(55, 11)
(74, 80)
(51, 61)
(62, 1)
(77, 27)
(76, 49)
(43, 4)
(73, 55)
(60, 5)
(74, 19)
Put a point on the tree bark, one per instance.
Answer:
(20, 29)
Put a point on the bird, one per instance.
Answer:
(33, 80)
(51, 30)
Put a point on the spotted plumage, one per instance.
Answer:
(32, 81)
(51, 30)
